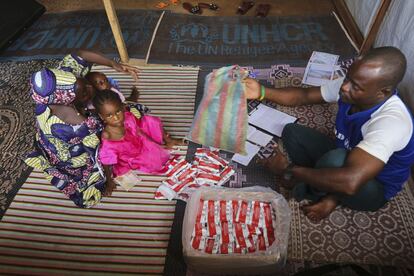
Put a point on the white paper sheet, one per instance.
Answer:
(251, 150)
(258, 137)
(128, 180)
(270, 119)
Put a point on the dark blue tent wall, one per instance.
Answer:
(15, 17)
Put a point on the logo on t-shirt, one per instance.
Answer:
(344, 141)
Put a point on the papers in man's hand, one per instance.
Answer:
(320, 69)
(251, 150)
(323, 58)
(128, 180)
(270, 119)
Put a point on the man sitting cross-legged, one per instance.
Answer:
(370, 159)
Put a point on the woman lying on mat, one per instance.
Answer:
(67, 138)
(130, 142)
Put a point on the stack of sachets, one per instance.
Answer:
(233, 226)
(207, 169)
(236, 231)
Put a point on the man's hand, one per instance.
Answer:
(276, 163)
(252, 90)
(125, 68)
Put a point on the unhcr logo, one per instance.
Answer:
(193, 32)
(252, 40)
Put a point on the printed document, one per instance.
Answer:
(251, 150)
(258, 137)
(320, 69)
(270, 119)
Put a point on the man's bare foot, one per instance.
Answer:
(110, 186)
(134, 95)
(321, 209)
(172, 142)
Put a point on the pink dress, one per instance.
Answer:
(140, 148)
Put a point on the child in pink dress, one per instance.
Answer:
(130, 143)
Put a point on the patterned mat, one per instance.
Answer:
(246, 40)
(45, 234)
(382, 238)
(56, 34)
(16, 125)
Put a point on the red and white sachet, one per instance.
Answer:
(183, 178)
(233, 227)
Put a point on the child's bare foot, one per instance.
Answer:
(172, 142)
(321, 209)
(134, 95)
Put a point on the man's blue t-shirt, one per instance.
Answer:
(350, 132)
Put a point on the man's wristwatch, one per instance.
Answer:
(288, 174)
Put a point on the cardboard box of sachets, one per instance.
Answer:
(236, 231)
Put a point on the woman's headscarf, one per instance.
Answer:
(53, 86)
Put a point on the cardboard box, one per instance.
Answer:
(262, 262)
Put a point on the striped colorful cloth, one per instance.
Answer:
(44, 233)
(221, 118)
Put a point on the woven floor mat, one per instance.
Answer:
(45, 234)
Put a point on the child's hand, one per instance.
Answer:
(125, 68)
(134, 95)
